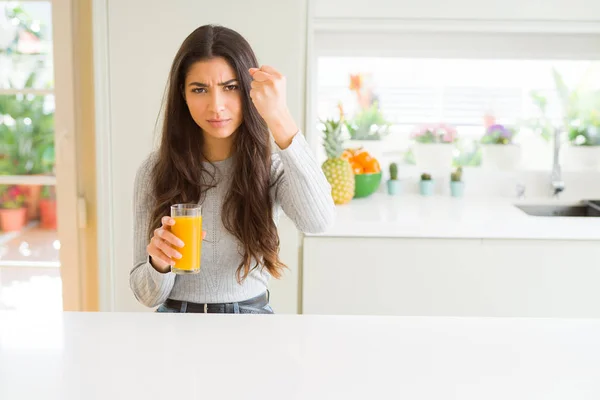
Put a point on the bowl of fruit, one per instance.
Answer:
(367, 171)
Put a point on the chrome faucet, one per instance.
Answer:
(557, 184)
(521, 191)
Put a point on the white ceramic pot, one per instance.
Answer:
(433, 156)
(501, 156)
(581, 157)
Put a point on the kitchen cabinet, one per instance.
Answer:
(451, 277)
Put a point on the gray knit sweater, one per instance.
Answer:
(301, 191)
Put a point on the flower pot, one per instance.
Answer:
(48, 214)
(426, 188)
(13, 219)
(500, 156)
(582, 157)
(457, 189)
(394, 187)
(433, 156)
(32, 195)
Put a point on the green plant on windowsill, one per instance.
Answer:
(498, 134)
(541, 124)
(456, 176)
(368, 124)
(48, 192)
(426, 185)
(26, 134)
(580, 109)
(584, 133)
(11, 197)
(457, 186)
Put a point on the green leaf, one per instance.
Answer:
(561, 88)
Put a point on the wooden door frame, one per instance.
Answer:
(75, 152)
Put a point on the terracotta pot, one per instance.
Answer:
(48, 214)
(13, 219)
(32, 194)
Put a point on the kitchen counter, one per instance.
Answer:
(414, 216)
(72, 356)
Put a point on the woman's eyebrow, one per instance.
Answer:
(200, 84)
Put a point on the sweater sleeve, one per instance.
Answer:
(150, 287)
(301, 187)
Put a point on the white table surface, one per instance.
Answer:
(185, 356)
(415, 216)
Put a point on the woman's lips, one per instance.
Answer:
(218, 123)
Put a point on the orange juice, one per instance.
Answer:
(189, 230)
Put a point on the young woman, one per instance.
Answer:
(222, 112)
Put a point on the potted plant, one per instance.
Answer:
(27, 139)
(584, 139)
(393, 184)
(498, 148)
(13, 213)
(457, 186)
(426, 185)
(581, 121)
(368, 123)
(48, 208)
(368, 126)
(434, 146)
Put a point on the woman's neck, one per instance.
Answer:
(217, 149)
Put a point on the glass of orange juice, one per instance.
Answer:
(188, 228)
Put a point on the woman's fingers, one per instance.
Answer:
(163, 244)
(158, 256)
(168, 237)
(167, 221)
(271, 71)
(166, 248)
(261, 76)
(166, 261)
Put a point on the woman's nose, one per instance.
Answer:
(217, 102)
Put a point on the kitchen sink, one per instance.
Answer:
(587, 208)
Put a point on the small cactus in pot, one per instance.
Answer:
(426, 185)
(457, 186)
(393, 184)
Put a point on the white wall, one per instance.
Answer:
(141, 38)
(135, 41)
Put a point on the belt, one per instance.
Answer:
(190, 307)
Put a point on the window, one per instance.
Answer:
(29, 264)
(467, 80)
(464, 93)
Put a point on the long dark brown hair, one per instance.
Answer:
(177, 176)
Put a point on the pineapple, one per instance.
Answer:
(337, 170)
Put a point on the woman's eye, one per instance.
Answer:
(231, 87)
(199, 90)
